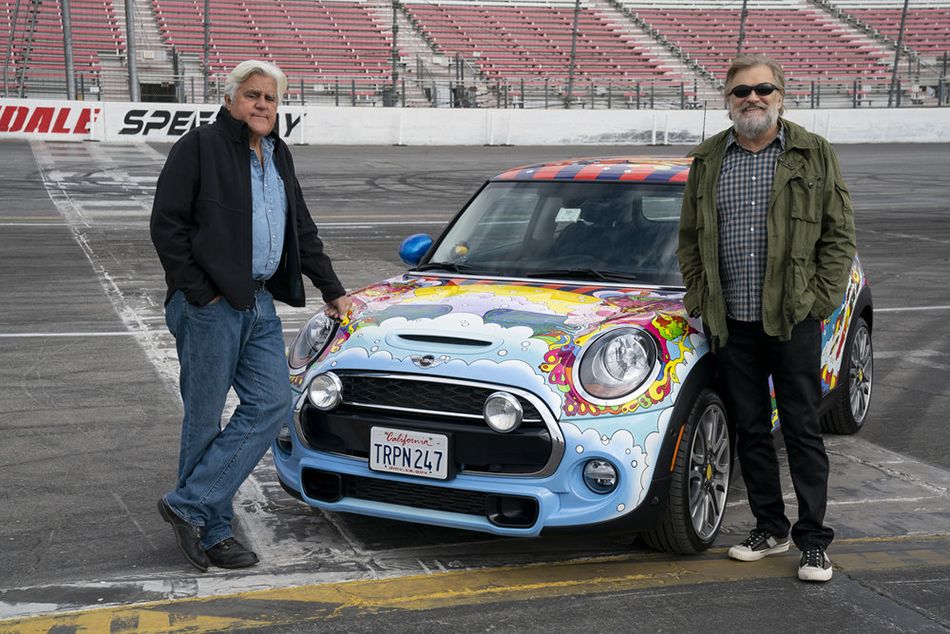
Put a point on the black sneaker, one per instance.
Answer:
(814, 565)
(760, 543)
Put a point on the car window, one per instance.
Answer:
(507, 220)
(528, 228)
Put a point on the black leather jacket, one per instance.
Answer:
(201, 221)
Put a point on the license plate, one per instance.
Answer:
(409, 452)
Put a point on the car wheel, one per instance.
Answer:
(700, 482)
(853, 400)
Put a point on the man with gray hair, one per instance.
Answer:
(766, 246)
(233, 234)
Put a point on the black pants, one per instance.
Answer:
(745, 363)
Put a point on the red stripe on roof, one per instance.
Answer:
(671, 170)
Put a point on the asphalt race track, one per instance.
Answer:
(89, 415)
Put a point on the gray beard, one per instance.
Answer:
(754, 128)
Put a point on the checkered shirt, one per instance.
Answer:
(742, 200)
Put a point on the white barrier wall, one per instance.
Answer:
(311, 125)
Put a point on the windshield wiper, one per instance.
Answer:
(454, 267)
(584, 274)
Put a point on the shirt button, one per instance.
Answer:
(752, 203)
(753, 178)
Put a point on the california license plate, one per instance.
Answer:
(409, 452)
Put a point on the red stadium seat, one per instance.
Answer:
(533, 42)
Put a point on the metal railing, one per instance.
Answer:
(450, 93)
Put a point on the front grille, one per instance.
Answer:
(511, 511)
(422, 497)
(430, 406)
(451, 398)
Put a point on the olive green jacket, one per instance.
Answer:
(811, 241)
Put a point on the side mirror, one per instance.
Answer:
(414, 247)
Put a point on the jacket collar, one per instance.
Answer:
(237, 130)
(796, 137)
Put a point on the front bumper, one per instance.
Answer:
(502, 505)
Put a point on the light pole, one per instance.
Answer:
(394, 52)
(207, 48)
(570, 68)
(134, 93)
(892, 91)
(743, 16)
(68, 51)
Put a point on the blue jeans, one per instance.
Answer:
(220, 348)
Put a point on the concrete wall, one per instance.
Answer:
(116, 121)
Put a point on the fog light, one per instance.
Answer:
(600, 476)
(325, 391)
(284, 440)
(502, 412)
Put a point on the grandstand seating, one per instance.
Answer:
(36, 52)
(314, 39)
(507, 41)
(926, 29)
(808, 44)
(519, 40)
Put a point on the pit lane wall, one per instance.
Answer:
(310, 125)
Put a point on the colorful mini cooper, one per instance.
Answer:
(535, 370)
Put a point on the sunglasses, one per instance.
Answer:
(763, 90)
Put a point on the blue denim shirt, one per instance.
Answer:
(270, 212)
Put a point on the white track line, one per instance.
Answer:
(909, 309)
(141, 316)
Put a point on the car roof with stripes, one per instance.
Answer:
(618, 168)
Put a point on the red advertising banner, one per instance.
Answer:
(48, 119)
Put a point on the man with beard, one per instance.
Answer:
(765, 247)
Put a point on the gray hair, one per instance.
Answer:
(750, 60)
(250, 67)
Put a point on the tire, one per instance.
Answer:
(700, 483)
(853, 400)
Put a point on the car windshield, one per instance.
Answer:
(616, 231)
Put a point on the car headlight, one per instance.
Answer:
(503, 412)
(326, 391)
(311, 340)
(617, 363)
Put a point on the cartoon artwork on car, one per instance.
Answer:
(535, 369)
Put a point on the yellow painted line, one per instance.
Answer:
(636, 571)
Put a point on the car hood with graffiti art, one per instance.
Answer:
(529, 334)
